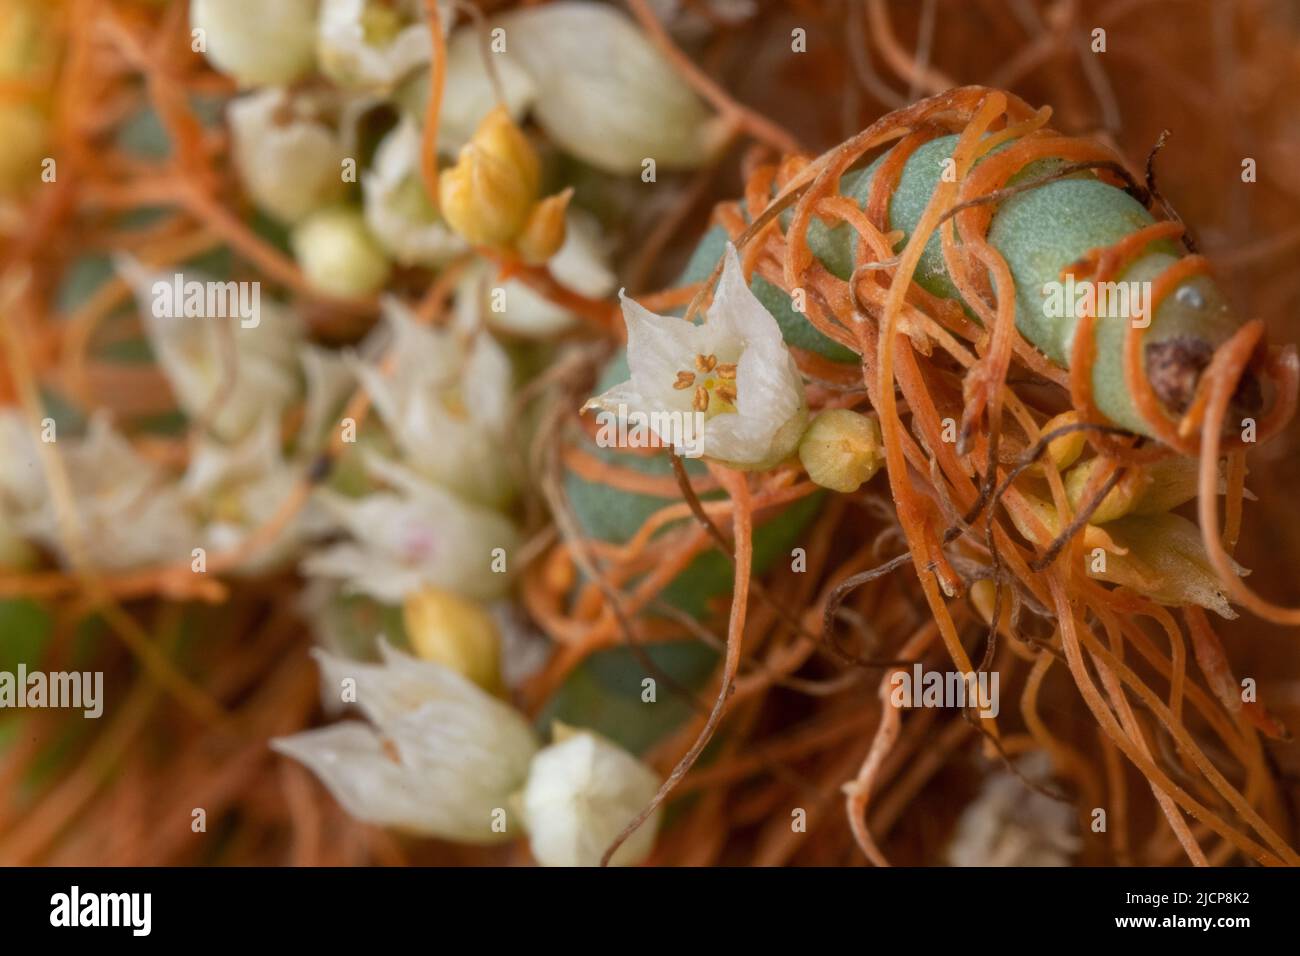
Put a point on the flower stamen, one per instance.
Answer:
(719, 384)
(706, 363)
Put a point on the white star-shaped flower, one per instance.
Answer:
(417, 535)
(287, 150)
(734, 370)
(128, 509)
(439, 756)
(446, 401)
(198, 353)
(233, 489)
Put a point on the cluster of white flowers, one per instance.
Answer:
(425, 524)
(128, 512)
(417, 517)
(441, 757)
(590, 79)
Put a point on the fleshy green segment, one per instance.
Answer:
(1038, 232)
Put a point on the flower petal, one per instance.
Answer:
(737, 440)
(737, 309)
(347, 56)
(620, 399)
(447, 747)
(604, 93)
(419, 535)
(364, 572)
(329, 382)
(470, 93)
(397, 208)
(658, 347)
(768, 384)
(1010, 825)
(350, 760)
(448, 406)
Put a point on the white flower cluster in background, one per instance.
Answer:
(584, 73)
(416, 513)
(128, 511)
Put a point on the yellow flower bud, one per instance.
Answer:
(543, 233)
(1118, 502)
(500, 138)
(480, 199)
(841, 449)
(489, 194)
(1065, 451)
(456, 633)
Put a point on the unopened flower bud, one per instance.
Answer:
(841, 449)
(1065, 451)
(480, 199)
(543, 233)
(582, 791)
(489, 194)
(258, 42)
(456, 633)
(500, 137)
(605, 93)
(338, 254)
(1118, 502)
